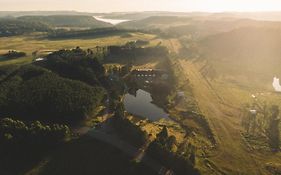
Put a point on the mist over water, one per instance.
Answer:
(111, 21)
(276, 84)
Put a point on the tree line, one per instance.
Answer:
(11, 54)
(19, 133)
(98, 32)
(13, 26)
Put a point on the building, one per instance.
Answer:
(150, 74)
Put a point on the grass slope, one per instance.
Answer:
(246, 55)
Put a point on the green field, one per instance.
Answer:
(37, 42)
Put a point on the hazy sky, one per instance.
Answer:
(142, 5)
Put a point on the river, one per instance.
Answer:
(111, 21)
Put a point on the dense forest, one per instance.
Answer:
(13, 26)
(65, 88)
(42, 101)
(33, 93)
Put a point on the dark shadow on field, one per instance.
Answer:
(89, 36)
(7, 59)
(19, 159)
(88, 157)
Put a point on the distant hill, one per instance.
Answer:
(268, 16)
(251, 52)
(67, 21)
(42, 13)
(156, 22)
(264, 16)
(261, 16)
(197, 26)
(10, 27)
(143, 15)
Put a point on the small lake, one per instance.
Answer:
(111, 21)
(141, 105)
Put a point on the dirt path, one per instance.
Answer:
(232, 155)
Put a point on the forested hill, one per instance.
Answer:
(13, 26)
(41, 13)
(28, 24)
(67, 21)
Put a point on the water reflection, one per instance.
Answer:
(140, 104)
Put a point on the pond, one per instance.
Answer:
(111, 21)
(141, 105)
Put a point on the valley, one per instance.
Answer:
(158, 93)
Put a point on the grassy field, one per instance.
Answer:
(221, 103)
(36, 42)
(229, 156)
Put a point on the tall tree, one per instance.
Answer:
(163, 135)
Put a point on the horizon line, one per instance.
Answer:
(157, 11)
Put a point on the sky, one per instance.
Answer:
(141, 5)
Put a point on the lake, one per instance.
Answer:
(111, 21)
(141, 105)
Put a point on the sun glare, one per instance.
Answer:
(229, 5)
(144, 5)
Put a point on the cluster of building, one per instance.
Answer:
(150, 74)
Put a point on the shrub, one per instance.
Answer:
(14, 54)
